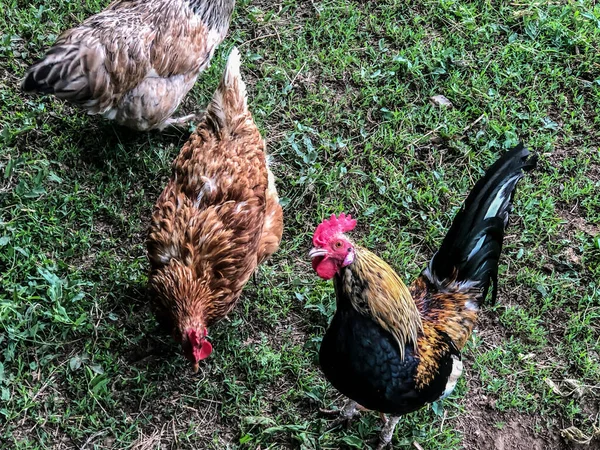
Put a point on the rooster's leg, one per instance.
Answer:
(387, 432)
(348, 412)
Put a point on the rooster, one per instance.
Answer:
(393, 348)
(135, 61)
(218, 218)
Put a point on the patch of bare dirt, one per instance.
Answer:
(573, 217)
(487, 429)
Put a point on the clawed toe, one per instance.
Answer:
(382, 445)
(329, 412)
(345, 415)
(351, 410)
(343, 420)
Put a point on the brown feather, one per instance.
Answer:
(208, 225)
(384, 297)
(443, 313)
(273, 227)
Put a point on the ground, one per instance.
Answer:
(341, 90)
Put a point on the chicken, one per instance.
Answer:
(393, 348)
(218, 218)
(135, 61)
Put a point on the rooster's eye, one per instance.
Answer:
(338, 244)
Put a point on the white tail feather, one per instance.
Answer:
(502, 196)
(232, 72)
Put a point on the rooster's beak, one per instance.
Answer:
(314, 252)
(195, 367)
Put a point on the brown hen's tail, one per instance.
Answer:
(470, 251)
(63, 71)
(228, 109)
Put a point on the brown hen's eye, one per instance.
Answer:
(338, 244)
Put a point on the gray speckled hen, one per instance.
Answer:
(135, 61)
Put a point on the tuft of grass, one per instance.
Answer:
(340, 90)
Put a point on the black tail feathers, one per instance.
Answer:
(62, 71)
(46, 72)
(471, 249)
(33, 83)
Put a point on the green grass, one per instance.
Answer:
(340, 90)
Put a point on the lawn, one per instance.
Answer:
(341, 90)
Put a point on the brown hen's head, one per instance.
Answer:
(332, 249)
(195, 346)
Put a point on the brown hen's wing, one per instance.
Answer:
(229, 117)
(224, 159)
(132, 62)
(169, 237)
(273, 226)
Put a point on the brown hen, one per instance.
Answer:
(217, 219)
(135, 61)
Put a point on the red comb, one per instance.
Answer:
(193, 338)
(332, 226)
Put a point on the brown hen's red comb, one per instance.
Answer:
(194, 338)
(332, 226)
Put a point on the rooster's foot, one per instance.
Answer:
(387, 432)
(345, 416)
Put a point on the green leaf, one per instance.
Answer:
(245, 439)
(99, 384)
(542, 290)
(97, 368)
(353, 441)
(53, 177)
(75, 363)
(258, 420)
(50, 277)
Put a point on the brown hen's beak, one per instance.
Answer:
(314, 252)
(195, 367)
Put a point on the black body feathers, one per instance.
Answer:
(363, 362)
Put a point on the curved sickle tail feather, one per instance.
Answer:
(229, 107)
(471, 249)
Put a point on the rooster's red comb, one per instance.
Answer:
(332, 226)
